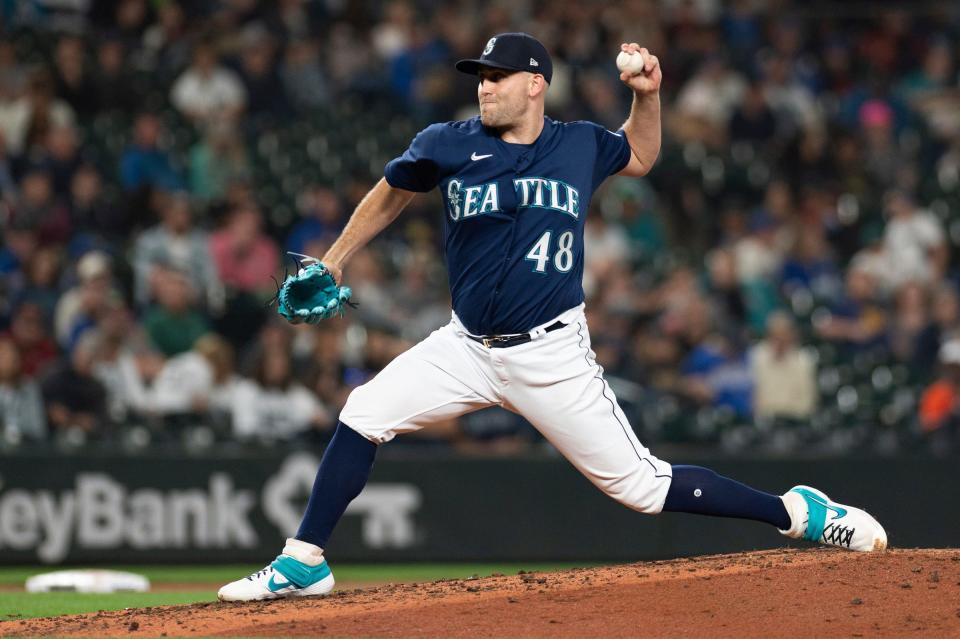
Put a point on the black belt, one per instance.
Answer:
(504, 341)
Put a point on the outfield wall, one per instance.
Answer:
(110, 509)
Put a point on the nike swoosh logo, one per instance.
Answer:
(840, 512)
(616, 135)
(273, 586)
(475, 157)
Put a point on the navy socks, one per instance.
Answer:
(348, 459)
(704, 492)
(343, 473)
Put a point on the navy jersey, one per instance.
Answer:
(513, 229)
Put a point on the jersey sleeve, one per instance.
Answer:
(613, 153)
(418, 169)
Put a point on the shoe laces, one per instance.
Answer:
(261, 573)
(838, 535)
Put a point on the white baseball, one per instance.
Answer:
(631, 63)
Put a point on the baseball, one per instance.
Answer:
(631, 63)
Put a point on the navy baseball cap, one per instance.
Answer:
(514, 51)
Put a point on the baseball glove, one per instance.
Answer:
(311, 295)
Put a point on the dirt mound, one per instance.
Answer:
(782, 592)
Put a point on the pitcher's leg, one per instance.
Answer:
(435, 380)
(343, 473)
(704, 492)
(559, 388)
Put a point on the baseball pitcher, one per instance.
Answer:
(516, 188)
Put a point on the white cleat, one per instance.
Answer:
(286, 576)
(816, 518)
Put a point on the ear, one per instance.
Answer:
(537, 85)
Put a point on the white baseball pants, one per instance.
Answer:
(553, 381)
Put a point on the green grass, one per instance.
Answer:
(22, 605)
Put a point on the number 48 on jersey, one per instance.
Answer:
(540, 252)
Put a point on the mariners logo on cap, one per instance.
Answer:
(489, 47)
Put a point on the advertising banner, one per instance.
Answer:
(115, 509)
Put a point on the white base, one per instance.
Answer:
(94, 581)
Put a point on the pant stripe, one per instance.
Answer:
(613, 406)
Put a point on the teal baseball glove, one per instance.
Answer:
(312, 295)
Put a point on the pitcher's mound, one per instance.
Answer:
(788, 593)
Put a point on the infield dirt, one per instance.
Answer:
(780, 593)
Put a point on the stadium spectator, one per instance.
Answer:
(245, 257)
(605, 246)
(705, 103)
(753, 120)
(72, 78)
(914, 241)
(39, 210)
(266, 99)
(92, 212)
(794, 106)
(25, 121)
(79, 307)
(165, 45)
(144, 163)
(217, 403)
(938, 404)
(198, 383)
(116, 340)
(944, 325)
(206, 91)
(130, 20)
(275, 334)
(74, 398)
(13, 73)
(724, 286)
(60, 156)
(41, 279)
(784, 374)
(117, 89)
(716, 373)
(175, 243)
(28, 330)
(323, 217)
(634, 205)
(21, 405)
(173, 322)
(9, 190)
(857, 322)
(326, 362)
(810, 267)
(217, 160)
(930, 89)
(883, 158)
(909, 319)
(304, 78)
(274, 406)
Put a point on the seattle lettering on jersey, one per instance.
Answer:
(532, 192)
(547, 194)
(472, 200)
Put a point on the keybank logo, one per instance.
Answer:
(100, 513)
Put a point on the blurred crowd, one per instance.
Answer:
(783, 278)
